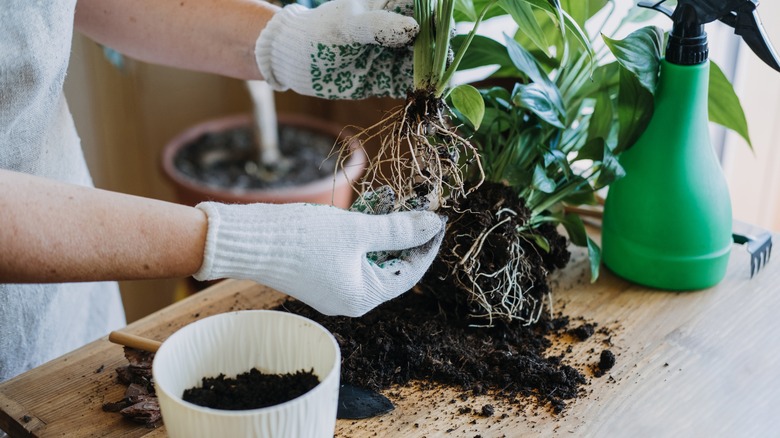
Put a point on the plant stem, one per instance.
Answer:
(445, 78)
(443, 30)
(423, 44)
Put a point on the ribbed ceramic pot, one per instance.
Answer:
(234, 343)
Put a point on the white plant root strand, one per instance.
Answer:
(469, 274)
(416, 150)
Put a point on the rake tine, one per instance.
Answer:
(757, 242)
(752, 265)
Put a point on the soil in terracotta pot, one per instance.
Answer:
(228, 159)
(250, 390)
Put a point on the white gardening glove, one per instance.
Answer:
(343, 49)
(318, 253)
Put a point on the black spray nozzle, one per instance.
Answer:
(747, 24)
(688, 37)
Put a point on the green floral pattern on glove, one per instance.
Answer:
(343, 49)
(357, 71)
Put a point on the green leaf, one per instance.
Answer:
(593, 149)
(554, 8)
(635, 108)
(578, 235)
(526, 63)
(594, 255)
(610, 170)
(602, 119)
(468, 101)
(536, 97)
(582, 10)
(541, 242)
(462, 13)
(575, 228)
(482, 51)
(466, 8)
(724, 106)
(524, 16)
(582, 197)
(640, 53)
(541, 181)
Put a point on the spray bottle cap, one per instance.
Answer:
(688, 42)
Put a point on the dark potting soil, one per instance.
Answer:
(488, 218)
(412, 339)
(251, 390)
(228, 159)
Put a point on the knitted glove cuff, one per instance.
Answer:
(268, 43)
(237, 248)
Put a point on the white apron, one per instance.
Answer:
(39, 322)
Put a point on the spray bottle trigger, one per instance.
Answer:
(747, 24)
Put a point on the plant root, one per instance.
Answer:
(493, 272)
(421, 157)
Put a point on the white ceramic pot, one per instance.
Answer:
(232, 344)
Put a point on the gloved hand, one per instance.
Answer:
(343, 49)
(318, 253)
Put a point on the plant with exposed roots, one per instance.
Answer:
(422, 159)
(507, 163)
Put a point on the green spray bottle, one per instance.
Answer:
(667, 224)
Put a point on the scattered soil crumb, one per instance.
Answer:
(583, 332)
(606, 362)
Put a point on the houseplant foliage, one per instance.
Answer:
(551, 138)
(504, 162)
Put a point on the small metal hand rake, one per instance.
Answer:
(758, 243)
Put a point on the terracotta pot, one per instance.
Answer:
(335, 189)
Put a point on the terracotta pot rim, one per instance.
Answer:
(353, 168)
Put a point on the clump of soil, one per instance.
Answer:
(606, 362)
(139, 403)
(412, 338)
(228, 159)
(251, 390)
(583, 331)
(488, 269)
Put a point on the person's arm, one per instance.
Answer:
(205, 35)
(368, 42)
(56, 232)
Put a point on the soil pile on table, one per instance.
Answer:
(228, 159)
(251, 390)
(412, 339)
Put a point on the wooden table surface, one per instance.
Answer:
(703, 363)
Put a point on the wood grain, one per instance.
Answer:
(699, 363)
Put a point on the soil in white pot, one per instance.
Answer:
(251, 390)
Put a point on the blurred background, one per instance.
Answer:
(126, 111)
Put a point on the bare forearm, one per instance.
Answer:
(55, 232)
(205, 35)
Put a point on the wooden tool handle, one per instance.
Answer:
(134, 341)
